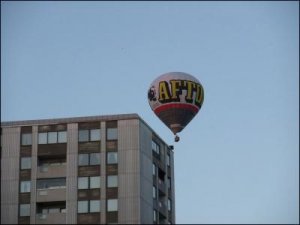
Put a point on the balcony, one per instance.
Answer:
(52, 170)
(162, 208)
(51, 218)
(51, 194)
(161, 187)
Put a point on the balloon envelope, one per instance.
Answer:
(175, 97)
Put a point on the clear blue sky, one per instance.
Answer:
(238, 160)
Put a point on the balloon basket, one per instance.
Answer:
(177, 138)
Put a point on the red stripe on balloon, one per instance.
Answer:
(164, 107)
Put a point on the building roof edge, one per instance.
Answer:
(70, 120)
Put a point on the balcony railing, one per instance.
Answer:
(51, 218)
(51, 171)
(51, 194)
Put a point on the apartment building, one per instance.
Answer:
(86, 170)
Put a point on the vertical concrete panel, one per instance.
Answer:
(71, 179)
(10, 174)
(33, 174)
(146, 174)
(129, 167)
(103, 174)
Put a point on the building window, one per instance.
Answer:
(112, 157)
(88, 182)
(94, 205)
(89, 135)
(169, 204)
(53, 137)
(83, 135)
(83, 159)
(154, 192)
(89, 159)
(88, 206)
(168, 160)
(153, 169)
(155, 147)
(62, 137)
(42, 138)
(112, 181)
(26, 139)
(25, 163)
(83, 206)
(154, 215)
(112, 133)
(83, 182)
(24, 209)
(94, 182)
(95, 135)
(112, 205)
(25, 186)
(94, 158)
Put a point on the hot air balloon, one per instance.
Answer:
(175, 98)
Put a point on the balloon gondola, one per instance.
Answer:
(175, 98)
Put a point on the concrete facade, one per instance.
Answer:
(142, 195)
